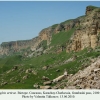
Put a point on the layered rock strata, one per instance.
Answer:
(87, 34)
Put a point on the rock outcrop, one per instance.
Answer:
(16, 46)
(46, 34)
(87, 34)
(89, 9)
(88, 78)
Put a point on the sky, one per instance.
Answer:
(24, 20)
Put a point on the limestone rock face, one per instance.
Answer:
(87, 34)
(46, 34)
(59, 28)
(15, 46)
(93, 41)
(89, 9)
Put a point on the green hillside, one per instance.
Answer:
(61, 37)
(13, 76)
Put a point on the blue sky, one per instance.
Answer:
(24, 20)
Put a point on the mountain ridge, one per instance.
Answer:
(62, 52)
(44, 34)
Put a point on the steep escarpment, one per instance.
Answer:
(15, 46)
(87, 34)
(45, 34)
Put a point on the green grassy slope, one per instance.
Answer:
(61, 37)
(37, 64)
(55, 61)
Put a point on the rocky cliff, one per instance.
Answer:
(15, 46)
(45, 34)
(87, 34)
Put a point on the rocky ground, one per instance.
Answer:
(89, 78)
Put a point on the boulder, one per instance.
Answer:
(65, 73)
(17, 81)
(9, 71)
(36, 86)
(55, 87)
(25, 77)
(71, 87)
(4, 83)
(45, 78)
(28, 71)
(76, 82)
(45, 67)
(34, 72)
(90, 77)
(47, 83)
(96, 70)
(15, 67)
(59, 78)
(58, 70)
(45, 87)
